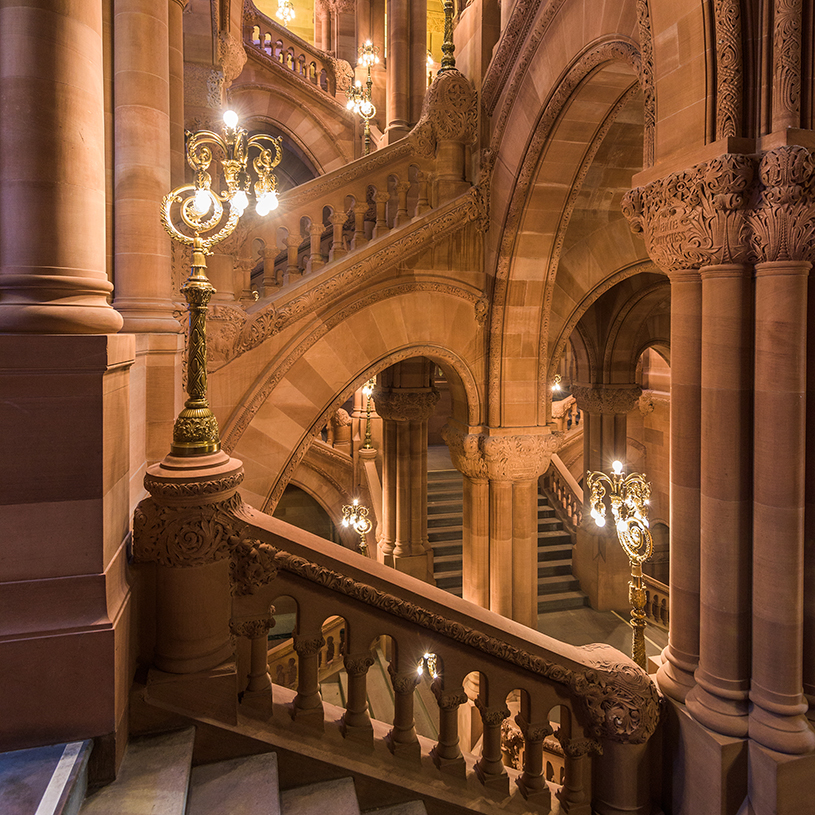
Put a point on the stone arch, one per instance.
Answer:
(272, 425)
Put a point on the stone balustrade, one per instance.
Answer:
(561, 487)
(657, 601)
(567, 416)
(272, 40)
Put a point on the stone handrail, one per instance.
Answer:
(245, 560)
(279, 45)
(561, 486)
(657, 601)
(567, 415)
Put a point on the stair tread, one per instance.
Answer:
(153, 778)
(240, 786)
(337, 797)
(406, 808)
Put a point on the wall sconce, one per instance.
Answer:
(356, 516)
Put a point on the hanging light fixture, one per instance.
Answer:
(285, 12)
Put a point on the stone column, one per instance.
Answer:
(402, 740)
(54, 127)
(308, 704)
(446, 755)
(499, 558)
(141, 92)
(681, 656)
(356, 723)
(175, 26)
(719, 700)
(405, 412)
(532, 782)
(398, 108)
(490, 768)
(599, 562)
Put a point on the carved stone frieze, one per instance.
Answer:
(483, 457)
(405, 405)
(161, 488)
(731, 209)
(619, 700)
(599, 399)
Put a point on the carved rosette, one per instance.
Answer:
(404, 405)
(606, 399)
(483, 457)
(449, 113)
(731, 209)
(357, 665)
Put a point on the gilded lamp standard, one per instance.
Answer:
(628, 495)
(356, 516)
(194, 214)
(359, 97)
(367, 390)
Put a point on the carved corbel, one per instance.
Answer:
(604, 399)
(404, 405)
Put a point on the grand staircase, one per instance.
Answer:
(157, 778)
(558, 590)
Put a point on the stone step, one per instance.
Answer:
(555, 552)
(445, 533)
(442, 564)
(445, 519)
(337, 797)
(553, 568)
(557, 584)
(407, 808)
(553, 535)
(562, 601)
(153, 778)
(240, 786)
(442, 507)
(443, 475)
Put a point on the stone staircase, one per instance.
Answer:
(558, 590)
(157, 777)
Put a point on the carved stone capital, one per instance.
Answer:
(492, 716)
(405, 405)
(533, 732)
(607, 399)
(357, 664)
(483, 457)
(254, 628)
(403, 681)
(308, 646)
(449, 113)
(577, 748)
(448, 699)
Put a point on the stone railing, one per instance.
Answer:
(567, 415)
(276, 43)
(607, 706)
(561, 487)
(657, 601)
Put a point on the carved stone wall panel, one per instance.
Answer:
(599, 399)
(404, 405)
(729, 68)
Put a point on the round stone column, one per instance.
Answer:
(52, 181)
(681, 656)
(719, 699)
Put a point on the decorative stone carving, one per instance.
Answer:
(533, 732)
(252, 565)
(308, 646)
(647, 80)
(163, 489)
(203, 86)
(448, 699)
(787, 63)
(357, 665)
(403, 681)
(492, 716)
(449, 113)
(730, 209)
(619, 700)
(231, 56)
(729, 72)
(405, 405)
(483, 457)
(252, 629)
(599, 399)
(577, 748)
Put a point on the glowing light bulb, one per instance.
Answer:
(239, 202)
(617, 466)
(266, 203)
(600, 521)
(231, 119)
(201, 202)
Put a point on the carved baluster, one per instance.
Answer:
(270, 281)
(490, 767)
(401, 740)
(356, 723)
(315, 258)
(293, 269)
(402, 216)
(359, 225)
(446, 754)
(422, 204)
(338, 249)
(308, 704)
(574, 797)
(381, 228)
(531, 782)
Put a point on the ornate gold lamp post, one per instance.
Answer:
(356, 516)
(195, 215)
(367, 390)
(359, 97)
(628, 496)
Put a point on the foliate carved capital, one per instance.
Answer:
(731, 209)
(577, 748)
(533, 732)
(606, 398)
(254, 628)
(483, 457)
(357, 664)
(404, 405)
(403, 681)
(491, 716)
(308, 646)
(448, 699)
